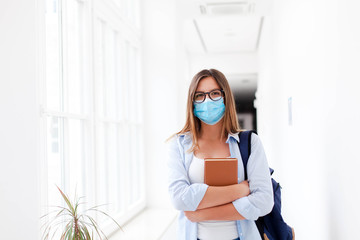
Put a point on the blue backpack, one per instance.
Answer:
(272, 225)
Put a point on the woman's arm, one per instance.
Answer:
(223, 212)
(215, 196)
(261, 200)
(183, 195)
(190, 197)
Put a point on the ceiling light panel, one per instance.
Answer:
(227, 8)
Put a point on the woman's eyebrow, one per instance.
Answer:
(210, 90)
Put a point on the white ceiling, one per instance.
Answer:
(228, 33)
(215, 28)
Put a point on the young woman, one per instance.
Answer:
(211, 130)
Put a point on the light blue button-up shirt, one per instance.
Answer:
(186, 197)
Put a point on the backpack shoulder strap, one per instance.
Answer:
(245, 147)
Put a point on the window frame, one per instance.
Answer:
(90, 117)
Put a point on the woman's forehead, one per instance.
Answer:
(207, 84)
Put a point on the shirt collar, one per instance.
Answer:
(233, 135)
(187, 137)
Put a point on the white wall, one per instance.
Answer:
(165, 89)
(344, 193)
(310, 51)
(19, 124)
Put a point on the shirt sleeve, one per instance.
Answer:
(260, 201)
(183, 195)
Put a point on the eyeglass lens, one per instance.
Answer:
(214, 95)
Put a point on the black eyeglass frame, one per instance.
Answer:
(208, 93)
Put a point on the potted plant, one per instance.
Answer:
(78, 226)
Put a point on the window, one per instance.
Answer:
(92, 105)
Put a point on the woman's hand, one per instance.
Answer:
(244, 188)
(194, 216)
(219, 195)
(222, 212)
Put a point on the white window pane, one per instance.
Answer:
(135, 164)
(137, 19)
(74, 63)
(121, 168)
(76, 161)
(55, 152)
(132, 13)
(52, 37)
(117, 76)
(110, 83)
(120, 77)
(101, 165)
(140, 135)
(128, 157)
(99, 64)
(126, 89)
(104, 59)
(112, 155)
(132, 85)
(139, 90)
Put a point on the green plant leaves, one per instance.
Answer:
(77, 226)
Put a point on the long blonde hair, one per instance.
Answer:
(193, 124)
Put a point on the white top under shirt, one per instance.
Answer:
(212, 229)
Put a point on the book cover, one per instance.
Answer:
(220, 171)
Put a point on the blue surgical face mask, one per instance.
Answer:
(209, 111)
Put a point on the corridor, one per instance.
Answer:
(91, 89)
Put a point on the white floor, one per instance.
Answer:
(151, 224)
(170, 233)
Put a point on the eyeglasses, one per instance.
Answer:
(214, 95)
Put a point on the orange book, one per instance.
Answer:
(220, 171)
